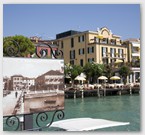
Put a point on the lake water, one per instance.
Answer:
(125, 108)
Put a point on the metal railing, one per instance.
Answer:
(20, 122)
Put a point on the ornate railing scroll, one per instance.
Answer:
(14, 122)
(13, 48)
(44, 118)
(43, 52)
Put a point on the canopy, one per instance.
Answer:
(80, 78)
(115, 78)
(86, 124)
(118, 61)
(102, 78)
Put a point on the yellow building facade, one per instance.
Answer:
(100, 46)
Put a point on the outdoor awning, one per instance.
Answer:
(136, 54)
(136, 44)
(86, 124)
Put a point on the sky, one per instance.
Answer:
(47, 20)
(32, 67)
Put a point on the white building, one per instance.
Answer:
(28, 82)
(134, 58)
(17, 82)
(53, 79)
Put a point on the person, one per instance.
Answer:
(16, 94)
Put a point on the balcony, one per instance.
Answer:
(136, 45)
(105, 54)
(135, 64)
(116, 55)
(136, 54)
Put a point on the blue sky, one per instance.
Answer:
(47, 20)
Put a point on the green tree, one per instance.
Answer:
(124, 71)
(97, 70)
(72, 71)
(87, 69)
(93, 71)
(108, 71)
(26, 47)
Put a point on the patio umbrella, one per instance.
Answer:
(102, 78)
(80, 78)
(118, 61)
(115, 78)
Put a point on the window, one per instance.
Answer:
(61, 44)
(81, 51)
(120, 53)
(43, 52)
(81, 62)
(112, 60)
(112, 51)
(113, 41)
(72, 42)
(72, 54)
(104, 41)
(105, 60)
(81, 38)
(72, 62)
(90, 49)
(104, 51)
(90, 60)
(96, 39)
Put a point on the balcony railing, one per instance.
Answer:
(114, 55)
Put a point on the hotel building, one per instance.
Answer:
(100, 46)
(52, 80)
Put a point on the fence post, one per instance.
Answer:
(28, 121)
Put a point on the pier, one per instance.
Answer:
(75, 93)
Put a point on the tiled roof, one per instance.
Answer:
(52, 72)
(17, 76)
(132, 39)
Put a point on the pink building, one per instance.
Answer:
(45, 50)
